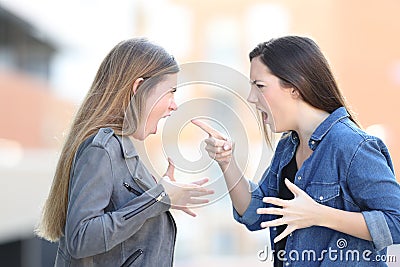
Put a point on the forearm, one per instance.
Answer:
(352, 223)
(238, 186)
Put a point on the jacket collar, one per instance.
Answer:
(127, 147)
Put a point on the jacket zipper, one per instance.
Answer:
(131, 189)
(132, 258)
(145, 206)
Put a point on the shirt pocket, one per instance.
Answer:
(324, 193)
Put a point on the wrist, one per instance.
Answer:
(323, 217)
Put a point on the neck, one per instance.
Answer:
(309, 118)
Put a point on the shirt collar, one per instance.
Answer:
(293, 137)
(328, 123)
(322, 129)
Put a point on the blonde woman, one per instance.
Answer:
(104, 206)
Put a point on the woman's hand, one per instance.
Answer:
(297, 213)
(218, 146)
(184, 195)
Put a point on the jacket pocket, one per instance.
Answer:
(132, 258)
(131, 189)
(323, 192)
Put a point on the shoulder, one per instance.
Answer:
(104, 139)
(349, 133)
(348, 136)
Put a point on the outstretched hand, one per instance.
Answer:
(300, 212)
(184, 195)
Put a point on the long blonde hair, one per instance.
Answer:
(107, 104)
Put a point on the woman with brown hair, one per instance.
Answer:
(104, 207)
(329, 196)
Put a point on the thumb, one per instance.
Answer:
(293, 188)
(170, 170)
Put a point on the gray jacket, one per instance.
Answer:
(117, 213)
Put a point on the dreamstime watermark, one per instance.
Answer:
(340, 253)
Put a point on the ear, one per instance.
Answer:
(136, 84)
(294, 92)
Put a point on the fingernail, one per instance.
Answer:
(226, 147)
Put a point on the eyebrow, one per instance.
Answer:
(256, 81)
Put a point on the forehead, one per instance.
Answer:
(170, 79)
(258, 69)
(167, 82)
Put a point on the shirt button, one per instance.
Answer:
(321, 198)
(107, 130)
(274, 228)
(299, 177)
(291, 234)
(312, 142)
(287, 263)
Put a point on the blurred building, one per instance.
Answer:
(33, 120)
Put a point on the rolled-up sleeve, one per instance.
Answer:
(378, 228)
(374, 187)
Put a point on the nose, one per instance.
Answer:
(252, 98)
(173, 106)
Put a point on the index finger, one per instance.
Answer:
(208, 129)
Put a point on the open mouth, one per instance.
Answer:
(264, 116)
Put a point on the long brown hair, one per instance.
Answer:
(298, 62)
(107, 104)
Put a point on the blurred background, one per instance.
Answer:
(50, 51)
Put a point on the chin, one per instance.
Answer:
(150, 132)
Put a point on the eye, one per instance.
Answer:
(257, 83)
(259, 86)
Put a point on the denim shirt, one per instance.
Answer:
(348, 170)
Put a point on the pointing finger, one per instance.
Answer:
(208, 129)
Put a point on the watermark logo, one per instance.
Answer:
(341, 243)
(338, 253)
